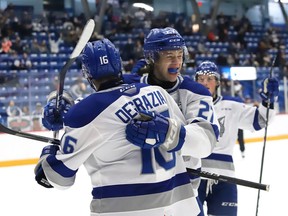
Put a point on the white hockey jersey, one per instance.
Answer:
(126, 180)
(233, 114)
(202, 129)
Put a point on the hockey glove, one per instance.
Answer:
(52, 117)
(139, 65)
(40, 176)
(270, 90)
(153, 130)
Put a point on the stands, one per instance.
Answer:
(29, 86)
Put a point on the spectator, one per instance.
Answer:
(22, 62)
(140, 14)
(238, 89)
(43, 47)
(79, 89)
(25, 111)
(137, 50)
(34, 47)
(17, 46)
(128, 50)
(54, 44)
(26, 25)
(13, 110)
(129, 65)
(6, 45)
(36, 117)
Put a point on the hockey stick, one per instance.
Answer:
(29, 136)
(190, 171)
(84, 38)
(265, 136)
(228, 179)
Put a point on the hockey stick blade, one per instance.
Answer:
(84, 38)
(6, 130)
(228, 179)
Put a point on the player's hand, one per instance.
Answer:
(138, 66)
(52, 118)
(153, 130)
(40, 176)
(270, 90)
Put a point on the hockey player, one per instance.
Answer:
(165, 51)
(221, 197)
(127, 180)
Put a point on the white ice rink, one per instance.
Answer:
(21, 195)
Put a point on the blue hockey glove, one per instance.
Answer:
(139, 65)
(270, 90)
(153, 130)
(52, 118)
(49, 150)
(40, 176)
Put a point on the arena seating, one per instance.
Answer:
(33, 85)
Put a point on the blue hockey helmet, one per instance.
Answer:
(101, 59)
(207, 68)
(161, 39)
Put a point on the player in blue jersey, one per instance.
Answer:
(126, 180)
(221, 197)
(165, 52)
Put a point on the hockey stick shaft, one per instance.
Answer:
(84, 38)
(228, 179)
(265, 137)
(6, 130)
(190, 171)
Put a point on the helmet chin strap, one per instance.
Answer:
(173, 70)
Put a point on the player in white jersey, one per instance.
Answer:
(221, 197)
(165, 51)
(126, 180)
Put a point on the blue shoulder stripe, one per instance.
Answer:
(89, 108)
(194, 87)
(131, 78)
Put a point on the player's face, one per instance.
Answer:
(209, 81)
(169, 64)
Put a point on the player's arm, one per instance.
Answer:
(254, 118)
(58, 166)
(40, 175)
(269, 93)
(202, 128)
